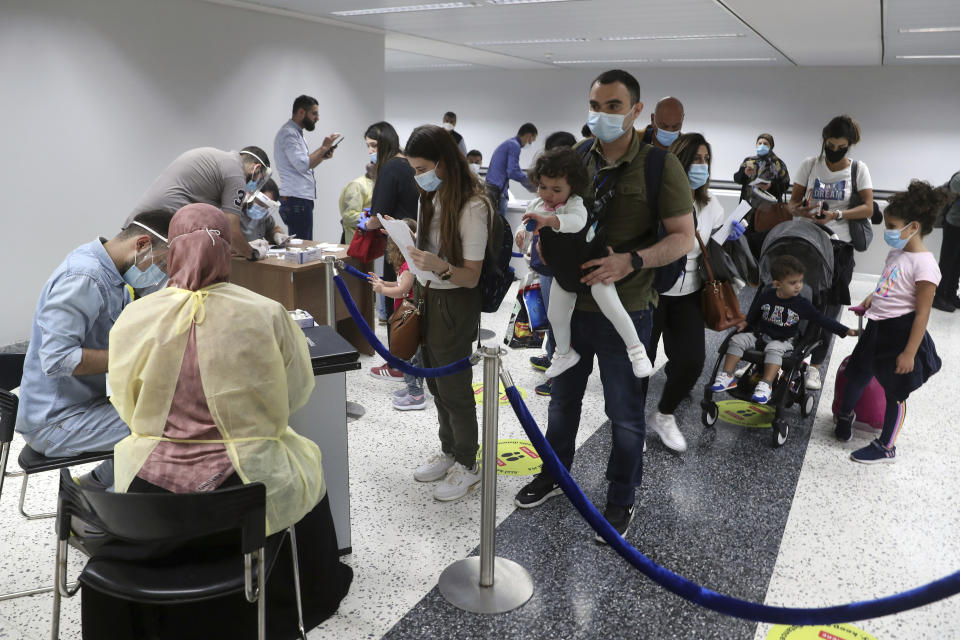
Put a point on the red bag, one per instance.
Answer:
(872, 404)
(367, 245)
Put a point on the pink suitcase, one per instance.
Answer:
(872, 405)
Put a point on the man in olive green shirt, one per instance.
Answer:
(617, 154)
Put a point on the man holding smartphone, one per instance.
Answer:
(295, 163)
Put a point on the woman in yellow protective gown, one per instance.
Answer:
(206, 374)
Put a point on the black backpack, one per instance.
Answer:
(666, 276)
(496, 275)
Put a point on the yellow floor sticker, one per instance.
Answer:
(818, 632)
(746, 414)
(516, 458)
(478, 393)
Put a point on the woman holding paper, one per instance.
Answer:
(454, 225)
(678, 317)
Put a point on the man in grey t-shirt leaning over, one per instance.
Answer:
(210, 176)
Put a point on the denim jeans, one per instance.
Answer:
(592, 334)
(97, 428)
(545, 283)
(297, 214)
(414, 384)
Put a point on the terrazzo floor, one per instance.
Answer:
(799, 525)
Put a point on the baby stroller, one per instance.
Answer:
(810, 244)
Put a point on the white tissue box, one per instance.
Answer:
(302, 318)
(302, 256)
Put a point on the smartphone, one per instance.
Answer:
(336, 143)
(823, 211)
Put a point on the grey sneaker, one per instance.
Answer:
(410, 403)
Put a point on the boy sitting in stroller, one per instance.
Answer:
(775, 320)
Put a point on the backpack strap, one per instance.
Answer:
(583, 149)
(853, 176)
(653, 175)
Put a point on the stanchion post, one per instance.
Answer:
(331, 301)
(487, 584)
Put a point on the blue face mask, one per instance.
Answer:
(762, 149)
(373, 157)
(251, 186)
(698, 175)
(606, 126)
(144, 279)
(892, 238)
(666, 138)
(428, 181)
(257, 212)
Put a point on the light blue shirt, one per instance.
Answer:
(77, 309)
(505, 166)
(292, 159)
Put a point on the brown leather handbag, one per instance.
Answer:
(770, 214)
(405, 327)
(718, 302)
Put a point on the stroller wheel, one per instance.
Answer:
(806, 405)
(710, 414)
(779, 432)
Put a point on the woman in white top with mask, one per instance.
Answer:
(821, 192)
(678, 317)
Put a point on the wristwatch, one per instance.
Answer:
(446, 275)
(636, 261)
(839, 214)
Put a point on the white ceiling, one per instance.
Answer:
(756, 32)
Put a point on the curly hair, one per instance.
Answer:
(561, 162)
(393, 255)
(921, 203)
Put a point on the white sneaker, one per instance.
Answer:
(813, 380)
(665, 426)
(434, 468)
(642, 367)
(457, 483)
(561, 362)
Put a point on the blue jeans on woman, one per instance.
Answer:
(592, 334)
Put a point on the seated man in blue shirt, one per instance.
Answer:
(505, 166)
(64, 409)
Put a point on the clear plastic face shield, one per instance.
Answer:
(148, 273)
(260, 206)
(260, 176)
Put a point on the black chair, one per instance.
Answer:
(156, 518)
(30, 461)
(11, 371)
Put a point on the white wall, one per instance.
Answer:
(907, 115)
(99, 96)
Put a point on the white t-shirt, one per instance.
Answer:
(709, 218)
(473, 233)
(832, 186)
(896, 293)
(572, 214)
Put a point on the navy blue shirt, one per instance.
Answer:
(505, 166)
(780, 318)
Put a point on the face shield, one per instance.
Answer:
(148, 272)
(259, 178)
(260, 206)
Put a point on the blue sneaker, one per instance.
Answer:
(761, 393)
(844, 429)
(544, 389)
(540, 363)
(874, 453)
(723, 382)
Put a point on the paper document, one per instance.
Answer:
(401, 235)
(737, 215)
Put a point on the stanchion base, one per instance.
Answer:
(460, 586)
(355, 411)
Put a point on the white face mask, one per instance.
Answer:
(447, 126)
(475, 168)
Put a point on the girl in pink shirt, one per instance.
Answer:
(895, 347)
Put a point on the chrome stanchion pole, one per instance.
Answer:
(354, 409)
(487, 584)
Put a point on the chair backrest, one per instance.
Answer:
(11, 370)
(153, 517)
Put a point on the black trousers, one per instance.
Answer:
(679, 320)
(949, 261)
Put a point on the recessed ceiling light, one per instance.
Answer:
(451, 65)
(600, 61)
(532, 41)
(949, 56)
(929, 29)
(717, 59)
(412, 7)
(704, 36)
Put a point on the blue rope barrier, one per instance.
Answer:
(516, 255)
(937, 590)
(392, 360)
(353, 271)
